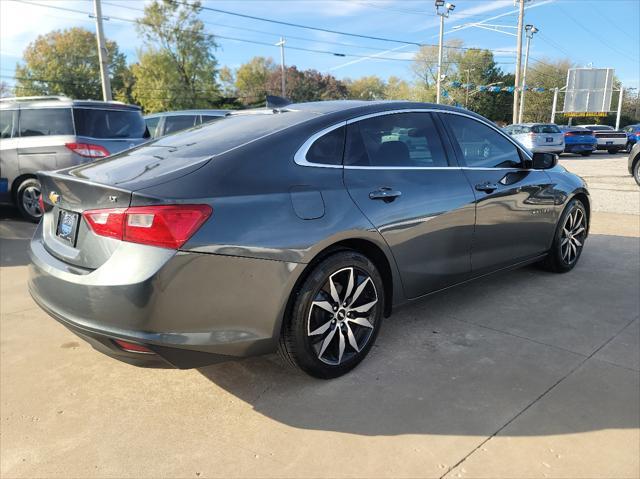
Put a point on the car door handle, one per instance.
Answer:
(385, 194)
(487, 187)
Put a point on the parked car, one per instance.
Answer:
(538, 137)
(161, 124)
(608, 137)
(297, 228)
(634, 162)
(633, 136)
(578, 140)
(48, 133)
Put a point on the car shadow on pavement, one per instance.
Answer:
(468, 360)
(15, 233)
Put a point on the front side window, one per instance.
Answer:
(178, 123)
(209, 118)
(96, 123)
(482, 146)
(395, 140)
(328, 149)
(46, 121)
(6, 123)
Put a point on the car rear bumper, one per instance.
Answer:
(615, 143)
(548, 149)
(189, 309)
(579, 147)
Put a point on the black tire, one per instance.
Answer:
(559, 259)
(341, 325)
(613, 151)
(627, 148)
(27, 196)
(636, 171)
(585, 153)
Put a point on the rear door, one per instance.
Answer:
(397, 172)
(515, 213)
(8, 152)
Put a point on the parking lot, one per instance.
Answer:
(522, 374)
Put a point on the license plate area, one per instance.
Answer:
(610, 142)
(67, 227)
(549, 139)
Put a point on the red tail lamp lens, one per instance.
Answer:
(88, 150)
(167, 226)
(132, 347)
(41, 203)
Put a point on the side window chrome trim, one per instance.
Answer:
(301, 155)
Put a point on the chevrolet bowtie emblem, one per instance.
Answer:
(54, 197)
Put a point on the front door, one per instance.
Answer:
(515, 213)
(397, 172)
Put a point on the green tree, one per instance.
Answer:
(5, 89)
(366, 88)
(65, 62)
(177, 68)
(425, 68)
(398, 89)
(548, 74)
(251, 80)
(306, 85)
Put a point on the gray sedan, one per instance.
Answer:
(296, 229)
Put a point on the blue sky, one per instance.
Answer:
(604, 33)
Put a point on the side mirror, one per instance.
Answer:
(544, 161)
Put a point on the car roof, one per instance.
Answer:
(61, 102)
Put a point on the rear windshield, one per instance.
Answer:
(97, 123)
(545, 129)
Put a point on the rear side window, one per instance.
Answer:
(208, 118)
(96, 123)
(545, 129)
(396, 140)
(6, 123)
(178, 123)
(45, 122)
(328, 149)
(482, 146)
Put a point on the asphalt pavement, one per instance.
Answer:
(521, 374)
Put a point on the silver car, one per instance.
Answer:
(48, 133)
(538, 137)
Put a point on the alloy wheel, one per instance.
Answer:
(30, 197)
(342, 316)
(574, 232)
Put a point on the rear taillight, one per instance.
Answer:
(132, 347)
(41, 203)
(167, 226)
(638, 135)
(88, 150)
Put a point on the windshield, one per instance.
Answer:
(97, 123)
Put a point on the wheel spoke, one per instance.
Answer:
(334, 292)
(349, 285)
(341, 345)
(321, 329)
(326, 342)
(576, 241)
(578, 231)
(365, 307)
(565, 231)
(352, 339)
(565, 253)
(359, 290)
(564, 241)
(323, 305)
(361, 322)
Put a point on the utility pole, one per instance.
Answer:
(516, 95)
(619, 108)
(554, 106)
(103, 55)
(530, 29)
(448, 7)
(282, 68)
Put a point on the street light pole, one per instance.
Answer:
(518, 61)
(444, 13)
(102, 53)
(282, 68)
(530, 30)
(466, 98)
